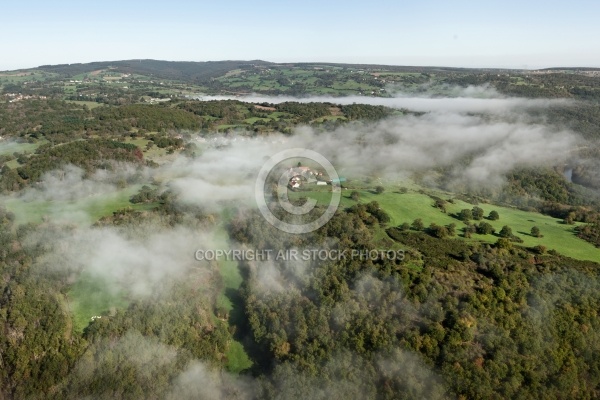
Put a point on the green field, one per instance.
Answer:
(229, 299)
(139, 142)
(155, 153)
(23, 76)
(91, 296)
(237, 358)
(12, 164)
(84, 211)
(90, 104)
(310, 79)
(412, 205)
(255, 119)
(15, 147)
(232, 279)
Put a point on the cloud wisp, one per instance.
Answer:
(479, 152)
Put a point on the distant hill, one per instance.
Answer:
(203, 72)
(192, 71)
(138, 81)
(177, 70)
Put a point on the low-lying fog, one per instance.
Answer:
(473, 99)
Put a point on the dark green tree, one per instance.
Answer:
(438, 231)
(441, 204)
(417, 224)
(505, 232)
(451, 229)
(477, 213)
(485, 229)
(504, 243)
(493, 216)
(465, 215)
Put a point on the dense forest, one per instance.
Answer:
(474, 314)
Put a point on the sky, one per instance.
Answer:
(458, 33)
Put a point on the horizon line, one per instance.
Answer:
(311, 63)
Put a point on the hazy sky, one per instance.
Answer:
(506, 33)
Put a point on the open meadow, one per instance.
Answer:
(417, 204)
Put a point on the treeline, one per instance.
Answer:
(360, 111)
(590, 233)
(533, 85)
(288, 114)
(581, 117)
(38, 345)
(60, 122)
(25, 118)
(544, 184)
(88, 154)
(532, 188)
(305, 111)
(147, 117)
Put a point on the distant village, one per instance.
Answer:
(15, 97)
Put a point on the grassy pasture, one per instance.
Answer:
(21, 76)
(255, 119)
(229, 299)
(90, 104)
(92, 296)
(15, 147)
(237, 358)
(82, 211)
(412, 205)
(344, 82)
(330, 118)
(12, 164)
